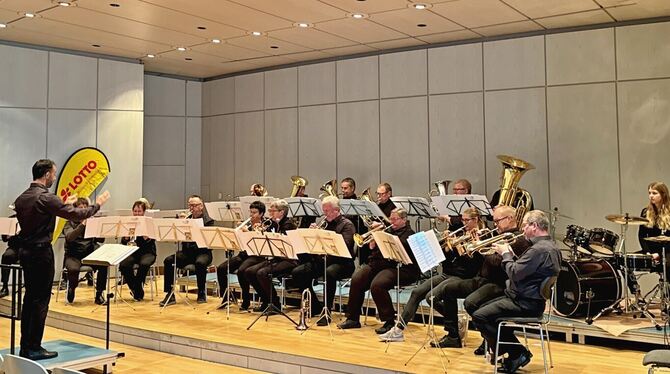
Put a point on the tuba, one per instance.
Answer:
(329, 189)
(513, 170)
(299, 184)
(441, 188)
(258, 189)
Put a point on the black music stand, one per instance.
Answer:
(269, 245)
(303, 207)
(416, 207)
(454, 205)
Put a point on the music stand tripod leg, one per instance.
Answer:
(325, 312)
(271, 306)
(174, 283)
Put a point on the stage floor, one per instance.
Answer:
(275, 345)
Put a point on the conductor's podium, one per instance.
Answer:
(76, 356)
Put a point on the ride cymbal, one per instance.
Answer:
(624, 219)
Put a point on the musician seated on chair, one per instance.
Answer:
(460, 187)
(259, 275)
(144, 257)
(381, 275)
(337, 268)
(190, 254)
(241, 261)
(10, 257)
(76, 248)
(523, 297)
(657, 213)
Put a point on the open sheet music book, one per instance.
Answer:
(426, 249)
(178, 230)
(217, 238)
(119, 226)
(109, 255)
(9, 226)
(267, 244)
(318, 242)
(391, 247)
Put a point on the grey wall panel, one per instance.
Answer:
(358, 79)
(281, 88)
(514, 63)
(580, 57)
(222, 150)
(455, 69)
(317, 148)
(404, 145)
(249, 151)
(644, 135)
(68, 131)
(316, 84)
(193, 99)
(583, 160)
(218, 97)
(281, 150)
(515, 124)
(164, 185)
(193, 156)
(23, 78)
(73, 81)
(206, 155)
(403, 74)
(358, 143)
(642, 51)
(164, 140)
(120, 85)
(164, 96)
(457, 139)
(124, 153)
(249, 92)
(23, 142)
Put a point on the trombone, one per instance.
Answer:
(484, 246)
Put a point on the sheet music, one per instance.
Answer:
(304, 206)
(178, 230)
(109, 255)
(226, 211)
(318, 242)
(415, 206)
(268, 244)
(218, 238)
(247, 200)
(175, 213)
(391, 247)
(354, 207)
(119, 226)
(426, 249)
(9, 226)
(454, 205)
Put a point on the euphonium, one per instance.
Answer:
(366, 238)
(369, 221)
(299, 184)
(441, 188)
(258, 189)
(305, 310)
(513, 170)
(329, 189)
(484, 246)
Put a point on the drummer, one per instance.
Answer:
(657, 214)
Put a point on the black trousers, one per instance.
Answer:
(379, 277)
(486, 320)
(73, 264)
(238, 263)
(144, 260)
(201, 260)
(259, 276)
(11, 256)
(38, 271)
(476, 292)
(337, 268)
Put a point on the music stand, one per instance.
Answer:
(174, 213)
(178, 231)
(269, 245)
(225, 211)
(320, 242)
(416, 207)
(304, 207)
(392, 249)
(245, 202)
(428, 254)
(454, 205)
(225, 239)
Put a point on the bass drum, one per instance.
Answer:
(582, 280)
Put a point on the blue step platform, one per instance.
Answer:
(76, 356)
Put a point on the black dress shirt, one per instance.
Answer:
(343, 226)
(75, 243)
(526, 273)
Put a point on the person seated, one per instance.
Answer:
(144, 257)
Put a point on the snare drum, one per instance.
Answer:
(603, 241)
(637, 262)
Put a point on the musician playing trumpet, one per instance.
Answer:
(144, 257)
(337, 267)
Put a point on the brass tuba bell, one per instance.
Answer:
(441, 188)
(329, 189)
(299, 184)
(513, 170)
(258, 189)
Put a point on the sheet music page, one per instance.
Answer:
(9, 226)
(391, 247)
(109, 254)
(426, 249)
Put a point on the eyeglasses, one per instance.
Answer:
(496, 221)
(468, 219)
(194, 205)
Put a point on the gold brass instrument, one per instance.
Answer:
(329, 189)
(441, 188)
(459, 244)
(321, 225)
(263, 226)
(299, 184)
(258, 189)
(243, 223)
(484, 246)
(366, 238)
(305, 310)
(513, 170)
(369, 221)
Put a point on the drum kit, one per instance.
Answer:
(595, 277)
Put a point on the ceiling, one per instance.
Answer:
(138, 28)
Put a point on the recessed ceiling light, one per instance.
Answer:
(2, 25)
(96, 45)
(358, 15)
(114, 5)
(302, 24)
(29, 15)
(150, 55)
(256, 33)
(181, 49)
(419, 6)
(64, 3)
(216, 41)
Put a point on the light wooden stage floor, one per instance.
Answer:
(275, 345)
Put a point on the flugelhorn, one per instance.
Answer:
(366, 238)
(484, 246)
(305, 310)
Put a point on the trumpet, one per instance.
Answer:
(322, 224)
(243, 223)
(305, 310)
(460, 243)
(366, 238)
(263, 226)
(484, 246)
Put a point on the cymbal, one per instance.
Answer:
(557, 214)
(659, 239)
(622, 219)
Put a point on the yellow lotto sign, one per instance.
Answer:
(82, 173)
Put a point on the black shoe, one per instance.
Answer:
(480, 351)
(511, 365)
(4, 292)
(260, 308)
(63, 285)
(388, 325)
(202, 298)
(138, 294)
(245, 306)
(168, 301)
(99, 299)
(447, 342)
(37, 354)
(349, 324)
(70, 295)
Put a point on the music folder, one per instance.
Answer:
(454, 205)
(304, 207)
(391, 247)
(217, 238)
(109, 255)
(318, 242)
(427, 250)
(9, 226)
(355, 207)
(266, 244)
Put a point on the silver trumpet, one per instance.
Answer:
(305, 310)
(243, 223)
